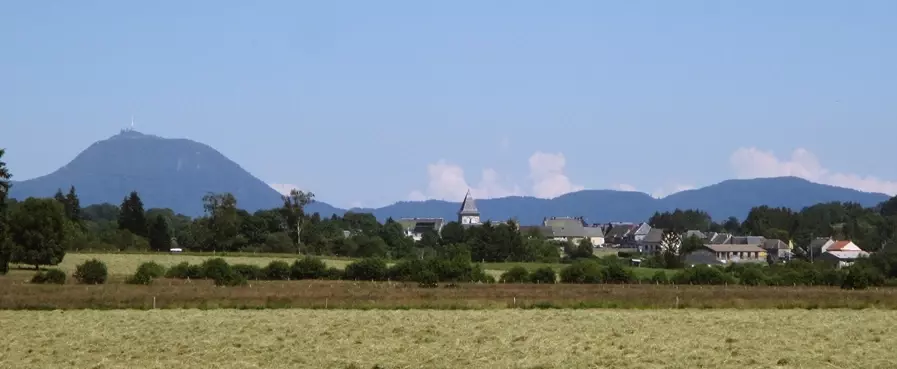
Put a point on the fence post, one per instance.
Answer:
(154, 302)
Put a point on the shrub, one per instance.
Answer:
(702, 274)
(277, 270)
(583, 271)
(616, 273)
(92, 271)
(249, 271)
(140, 277)
(54, 276)
(660, 277)
(408, 270)
(478, 274)
(152, 269)
(334, 274)
(752, 277)
(861, 277)
(543, 275)
(517, 274)
(368, 269)
(216, 269)
(184, 271)
(308, 268)
(427, 279)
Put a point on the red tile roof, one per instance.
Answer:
(838, 245)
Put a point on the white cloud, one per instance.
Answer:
(283, 188)
(624, 187)
(750, 162)
(447, 181)
(547, 173)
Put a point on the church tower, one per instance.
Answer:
(468, 215)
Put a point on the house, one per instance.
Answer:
(618, 233)
(714, 238)
(594, 233)
(843, 253)
(416, 227)
(702, 257)
(627, 233)
(640, 232)
(746, 240)
(729, 253)
(818, 245)
(653, 242)
(571, 229)
(777, 250)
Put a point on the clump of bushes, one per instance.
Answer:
(146, 272)
(543, 275)
(660, 277)
(517, 274)
(308, 268)
(91, 272)
(703, 274)
(52, 276)
(249, 271)
(278, 270)
(184, 270)
(368, 269)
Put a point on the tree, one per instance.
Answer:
(293, 212)
(452, 232)
(670, 242)
(224, 222)
(160, 234)
(132, 217)
(37, 229)
(4, 237)
(73, 206)
(690, 244)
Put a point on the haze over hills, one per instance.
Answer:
(177, 173)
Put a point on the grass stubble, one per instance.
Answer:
(510, 338)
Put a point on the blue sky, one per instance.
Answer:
(367, 103)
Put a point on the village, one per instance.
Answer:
(718, 248)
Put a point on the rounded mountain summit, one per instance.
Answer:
(166, 172)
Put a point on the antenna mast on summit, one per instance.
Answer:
(132, 122)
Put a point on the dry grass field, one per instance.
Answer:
(126, 264)
(121, 264)
(16, 293)
(495, 339)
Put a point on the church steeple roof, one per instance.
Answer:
(468, 206)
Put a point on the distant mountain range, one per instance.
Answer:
(177, 173)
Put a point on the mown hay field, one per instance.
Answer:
(122, 264)
(449, 339)
(126, 264)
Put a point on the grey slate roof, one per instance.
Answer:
(702, 257)
(720, 238)
(620, 230)
(594, 232)
(774, 245)
(747, 240)
(468, 206)
(735, 248)
(655, 235)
